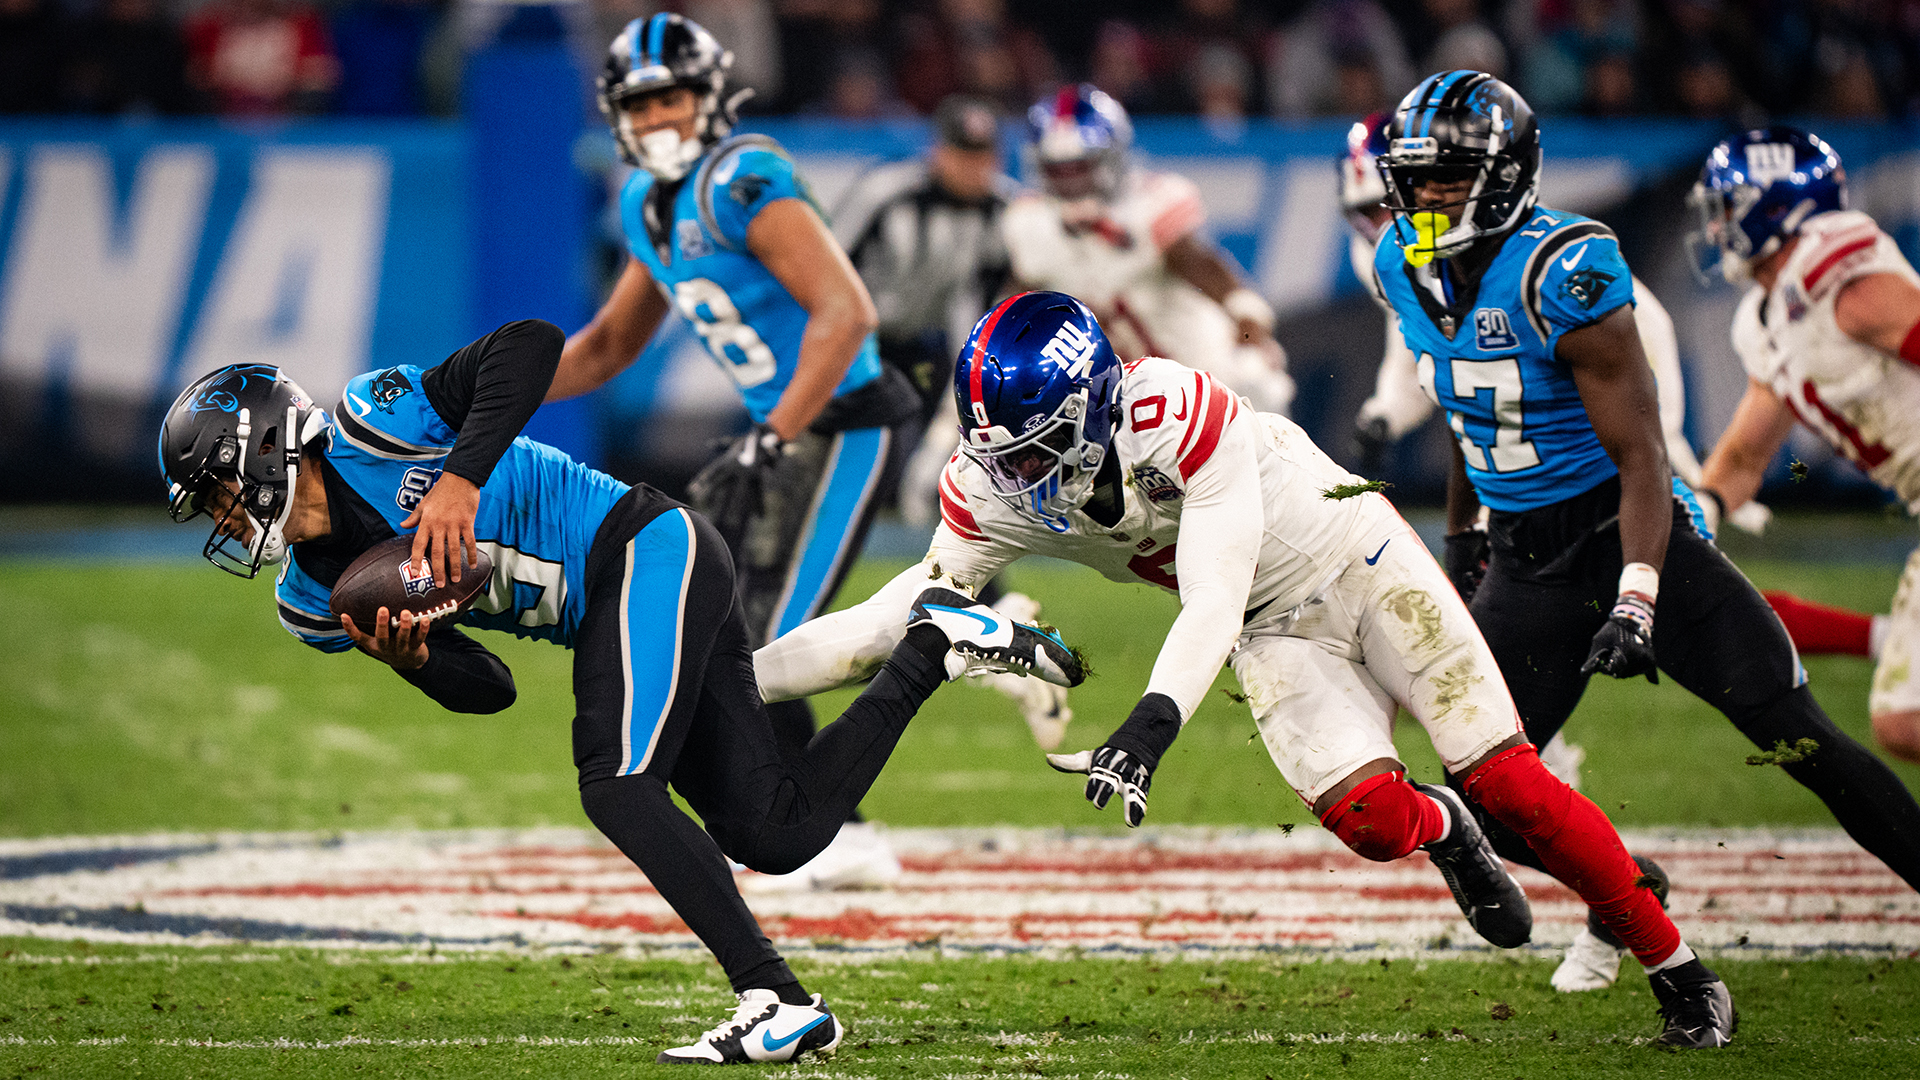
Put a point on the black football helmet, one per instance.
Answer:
(1464, 125)
(241, 427)
(655, 53)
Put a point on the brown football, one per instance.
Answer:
(380, 577)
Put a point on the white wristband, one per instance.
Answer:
(1246, 305)
(1638, 577)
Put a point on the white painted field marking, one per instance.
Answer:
(1741, 892)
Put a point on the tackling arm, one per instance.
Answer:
(1734, 469)
(1202, 265)
(794, 245)
(1881, 310)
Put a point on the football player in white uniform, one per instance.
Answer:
(1128, 242)
(1324, 601)
(1398, 405)
(1829, 335)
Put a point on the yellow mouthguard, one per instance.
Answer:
(1427, 227)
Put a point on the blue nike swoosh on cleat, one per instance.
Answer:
(986, 625)
(771, 1044)
(1376, 555)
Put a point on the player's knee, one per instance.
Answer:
(1898, 733)
(1520, 792)
(1380, 818)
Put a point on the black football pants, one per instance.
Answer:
(1553, 578)
(665, 692)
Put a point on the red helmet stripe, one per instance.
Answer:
(975, 389)
(1065, 102)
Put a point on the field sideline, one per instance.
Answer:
(129, 721)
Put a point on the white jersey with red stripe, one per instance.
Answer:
(1222, 505)
(1114, 261)
(1865, 403)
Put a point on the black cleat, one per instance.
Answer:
(1661, 886)
(1695, 1009)
(1488, 896)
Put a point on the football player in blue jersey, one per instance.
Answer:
(1521, 321)
(637, 586)
(724, 231)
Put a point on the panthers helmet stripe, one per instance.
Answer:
(977, 389)
(1436, 98)
(656, 28)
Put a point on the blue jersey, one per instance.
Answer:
(748, 320)
(539, 511)
(1486, 355)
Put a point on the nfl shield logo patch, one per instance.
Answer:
(416, 581)
(693, 242)
(1154, 484)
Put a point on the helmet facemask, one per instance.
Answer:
(1498, 200)
(266, 505)
(663, 152)
(1045, 472)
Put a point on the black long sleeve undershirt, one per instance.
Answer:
(488, 390)
(461, 675)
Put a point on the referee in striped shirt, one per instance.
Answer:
(925, 237)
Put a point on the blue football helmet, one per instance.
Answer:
(653, 54)
(1078, 142)
(1038, 389)
(1755, 192)
(240, 428)
(1362, 190)
(1457, 126)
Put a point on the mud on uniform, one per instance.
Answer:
(1332, 610)
(1487, 355)
(1864, 403)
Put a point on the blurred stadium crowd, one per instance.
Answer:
(1224, 60)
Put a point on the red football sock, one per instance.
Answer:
(1817, 628)
(1578, 845)
(1384, 818)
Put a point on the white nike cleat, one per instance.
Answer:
(858, 858)
(984, 640)
(762, 1028)
(1590, 964)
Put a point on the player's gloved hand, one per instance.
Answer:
(732, 488)
(1624, 647)
(1370, 441)
(1125, 763)
(1110, 769)
(1466, 555)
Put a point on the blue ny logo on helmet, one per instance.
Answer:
(1755, 192)
(1038, 388)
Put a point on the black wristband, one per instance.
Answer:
(1149, 730)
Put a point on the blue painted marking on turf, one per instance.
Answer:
(70, 862)
(855, 469)
(661, 554)
(135, 921)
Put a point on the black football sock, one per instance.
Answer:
(792, 993)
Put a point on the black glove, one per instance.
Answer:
(731, 490)
(1370, 440)
(1624, 647)
(1467, 554)
(1126, 763)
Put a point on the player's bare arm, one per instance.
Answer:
(1881, 310)
(1616, 385)
(1761, 423)
(1200, 264)
(794, 245)
(1467, 548)
(620, 329)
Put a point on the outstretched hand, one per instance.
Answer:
(1110, 769)
(443, 524)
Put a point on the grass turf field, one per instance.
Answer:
(287, 1013)
(181, 705)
